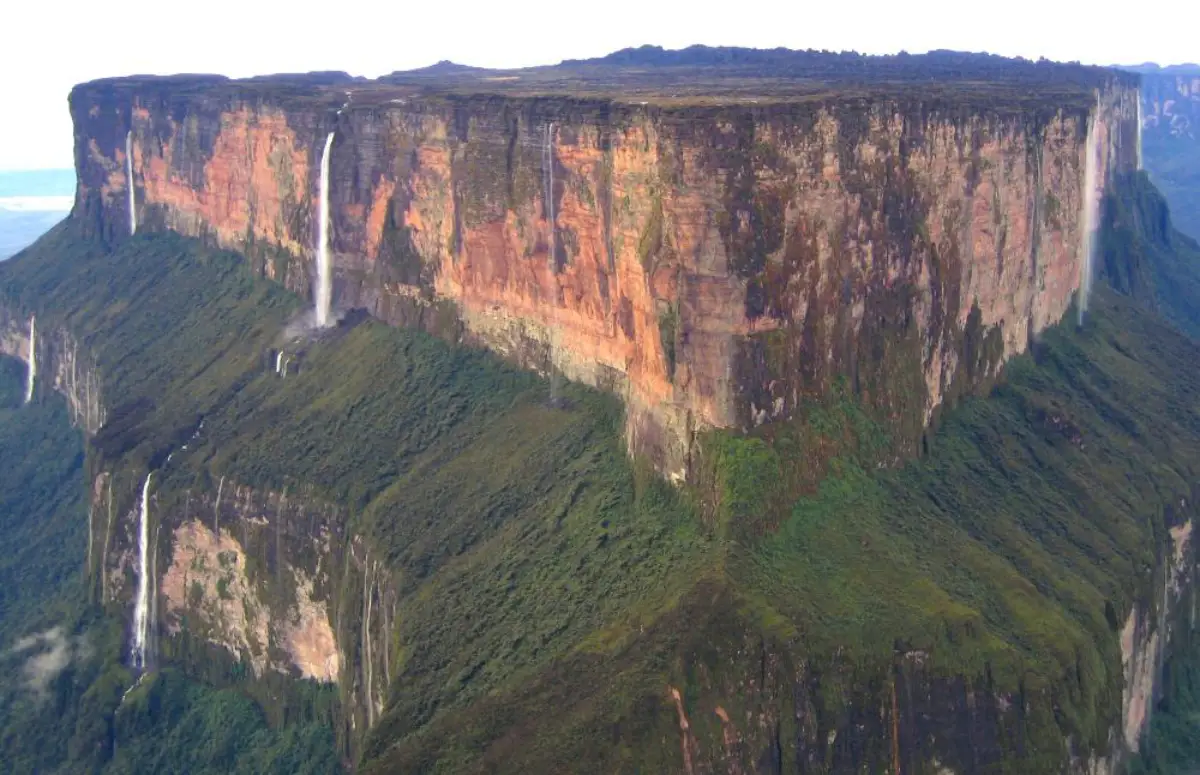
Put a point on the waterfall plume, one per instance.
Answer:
(324, 294)
(141, 611)
(1089, 216)
(31, 375)
(129, 182)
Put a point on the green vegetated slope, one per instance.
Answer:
(1009, 555)
(61, 706)
(514, 529)
(550, 595)
(1143, 227)
(1172, 746)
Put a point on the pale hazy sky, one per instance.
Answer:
(49, 45)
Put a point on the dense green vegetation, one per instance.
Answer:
(547, 597)
(41, 500)
(175, 329)
(61, 707)
(1162, 269)
(1009, 554)
(171, 724)
(514, 529)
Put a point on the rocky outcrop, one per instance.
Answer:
(368, 628)
(251, 573)
(711, 264)
(756, 708)
(1148, 631)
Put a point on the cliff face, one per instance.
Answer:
(250, 574)
(61, 364)
(714, 266)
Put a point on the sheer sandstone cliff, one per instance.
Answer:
(712, 264)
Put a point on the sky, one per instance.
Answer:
(50, 45)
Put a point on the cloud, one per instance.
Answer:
(53, 652)
(37, 204)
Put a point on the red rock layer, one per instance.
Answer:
(683, 241)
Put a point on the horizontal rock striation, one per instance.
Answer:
(712, 262)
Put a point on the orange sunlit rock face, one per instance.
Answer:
(255, 177)
(713, 270)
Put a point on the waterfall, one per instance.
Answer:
(217, 510)
(129, 182)
(1139, 129)
(141, 611)
(548, 175)
(1089, 216)
(278, 360)
(31, 375)
(324, 295)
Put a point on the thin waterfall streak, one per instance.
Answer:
(31, 374)
(387, 640)
(278, 360)
(324, 295)
(548, 164)
(107, 537)
(217, 510)
(91, 540)
(366, 639)
(129, 182)
(1089, 216)
(1139, 129)
(141, 611)
(152, 621)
